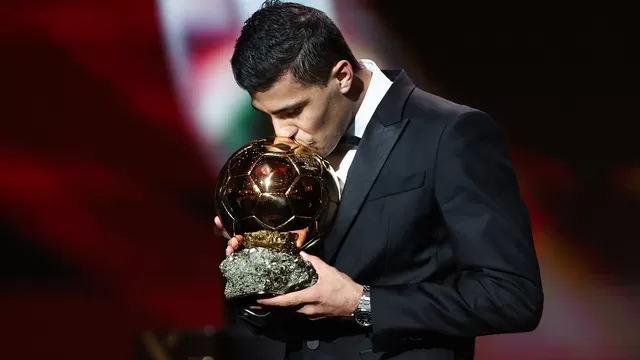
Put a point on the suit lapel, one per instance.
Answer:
(378, 140)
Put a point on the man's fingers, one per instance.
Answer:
(314, 260)
(312, 311)
(290, 299)
(309, 310)
(286, 300)
(222, 233)
(220, 229)
(235, 242)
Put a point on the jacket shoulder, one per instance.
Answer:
(425, 106)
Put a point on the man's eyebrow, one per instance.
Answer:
(292, 106)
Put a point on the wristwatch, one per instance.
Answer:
(362, 315)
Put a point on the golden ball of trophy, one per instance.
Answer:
(281, 197)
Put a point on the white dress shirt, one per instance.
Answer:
(377, 89)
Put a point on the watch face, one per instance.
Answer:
(363, 318)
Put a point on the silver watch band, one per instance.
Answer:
(362, 315)
(365, 298)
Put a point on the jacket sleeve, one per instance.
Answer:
(497, 287)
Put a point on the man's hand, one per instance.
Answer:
(335, 294)
(233, 242)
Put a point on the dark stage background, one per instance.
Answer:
(117, 114)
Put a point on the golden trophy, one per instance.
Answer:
(281, 197)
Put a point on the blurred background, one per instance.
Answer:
(116, 116)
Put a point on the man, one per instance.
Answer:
(431, 246)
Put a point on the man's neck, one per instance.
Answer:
(363, 78)
(362, 81)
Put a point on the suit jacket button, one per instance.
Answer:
(313, 344)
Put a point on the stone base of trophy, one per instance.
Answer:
(268, 265)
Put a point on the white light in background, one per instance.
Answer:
(248, 7)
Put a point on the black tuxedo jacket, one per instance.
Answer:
(431, 218)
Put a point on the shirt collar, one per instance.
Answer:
(377, 89)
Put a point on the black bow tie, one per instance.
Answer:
(350, 140)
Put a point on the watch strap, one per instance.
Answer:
(362, 315)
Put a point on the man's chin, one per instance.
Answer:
(318, 149)
(328, 149)
(322, 152)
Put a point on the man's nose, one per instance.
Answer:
(285, 131)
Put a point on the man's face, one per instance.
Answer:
(316, 116)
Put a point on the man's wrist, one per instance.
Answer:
(357, 295)
(362, 314)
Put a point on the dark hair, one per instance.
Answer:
(285, 37)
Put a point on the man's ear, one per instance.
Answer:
(342, 74)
